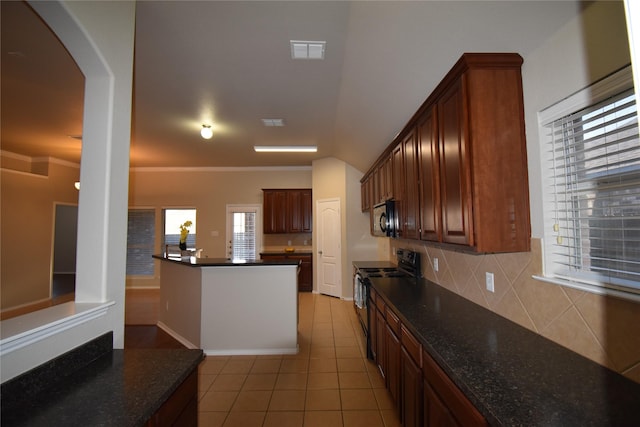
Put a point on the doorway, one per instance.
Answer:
(63, 276)
(244, 231)
(329, 255)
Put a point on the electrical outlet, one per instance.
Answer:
(435, 264)
(489, 282)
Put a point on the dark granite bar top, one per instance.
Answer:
(223, 262)
(514, 376)
(119, 388)
(283, 252)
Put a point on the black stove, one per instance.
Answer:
(408, 266)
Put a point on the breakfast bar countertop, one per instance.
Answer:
(223, 262)
(97, 386)
(511, 374)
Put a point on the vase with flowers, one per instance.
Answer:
(184, 232)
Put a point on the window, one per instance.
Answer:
(140, 242)
(244, 231)
(593, 232)
(173, 218)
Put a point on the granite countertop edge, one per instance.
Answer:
(222, 262)
(503, 368)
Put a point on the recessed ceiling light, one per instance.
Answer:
(301, 49)
(273, 122)
(285, 148)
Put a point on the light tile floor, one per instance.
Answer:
(329, 383)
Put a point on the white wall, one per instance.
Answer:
(587, 48)
(100, 37)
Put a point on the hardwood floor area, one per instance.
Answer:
(148, 336)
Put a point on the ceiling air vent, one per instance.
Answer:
(307, 49)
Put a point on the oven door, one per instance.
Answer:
(360, 296)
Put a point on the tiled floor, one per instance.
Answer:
(329, 383)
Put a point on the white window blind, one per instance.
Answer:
(244, 235)
(594, 159)
(140, 242)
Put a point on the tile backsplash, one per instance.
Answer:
(602, 328)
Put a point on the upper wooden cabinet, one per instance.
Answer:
(287, 211)
(484, 190)
(463, 163)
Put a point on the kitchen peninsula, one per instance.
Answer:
(228, 307)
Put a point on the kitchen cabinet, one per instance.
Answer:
(366, 194)
(423, 394)
(398, 188)
(429, 171)
(474, 177)
(392, 347)
(411, 407)
(305, 275)
(181, 408)
(444, 403)
(287, 211)
(460, 164)
(410, 218)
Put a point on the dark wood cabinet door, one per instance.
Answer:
(392, 379)
(444, 402)
(411, 391)
(381, 346)
(454, 168)
(293, 212)
(305, 277)
(388, 177)
(436, 413)
(429, 171)
(274, 205)
(398, 188)
(365, 194)
(306, 209)
(411, 227)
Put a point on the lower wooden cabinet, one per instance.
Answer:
(423, 394)
(444, 403)
(181, 408)
(392, 379)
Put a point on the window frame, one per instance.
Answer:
(191, 237)
(607, 87)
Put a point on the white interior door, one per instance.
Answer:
(329, 259)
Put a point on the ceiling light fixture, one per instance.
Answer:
(301, 49)
(206, 132)
(285, 148)
(273, 122)
(77, 185)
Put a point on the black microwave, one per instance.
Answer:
(384, 219)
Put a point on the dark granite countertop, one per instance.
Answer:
(283, 252)
(513, 376)
(119, 388)
(223, 262)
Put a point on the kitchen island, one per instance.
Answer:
(228, 307)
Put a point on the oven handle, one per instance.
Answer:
(359, 291)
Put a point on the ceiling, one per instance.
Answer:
(229, 64)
